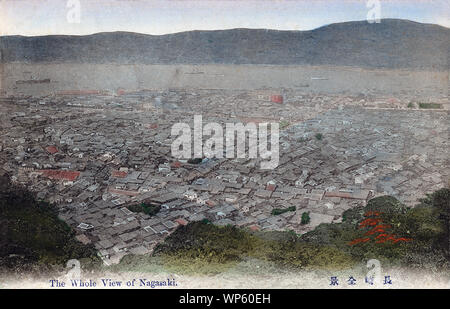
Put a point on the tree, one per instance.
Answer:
(305, 218)
(441, 201)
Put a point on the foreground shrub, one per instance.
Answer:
(32, 235)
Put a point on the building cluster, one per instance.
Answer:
(95, 155)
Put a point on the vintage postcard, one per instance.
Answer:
(224, 144)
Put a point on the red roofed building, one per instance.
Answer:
(359, 195)
(119, 174)
(277, 99)
(254, 227)
(123, 192)
(210, 203)
(152, 126)
(176, 164)
(51, 149)
(61, 175)
(79, 92)
(181, 221)
(271, 187)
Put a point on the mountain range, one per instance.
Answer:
(392, 43)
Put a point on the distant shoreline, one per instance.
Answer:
(309, 79)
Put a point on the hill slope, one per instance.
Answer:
(389, 44)
(32, 237)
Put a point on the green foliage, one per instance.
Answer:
(31, 230)
(319, 136)
(353, 215)
(279, 211)
(429, 105)
(297, 254)
(284, 124)
(411, 105)
(199, 247)
(305, 218)
(421, 224)
(149, 209)
(385, 204)
(207, 248)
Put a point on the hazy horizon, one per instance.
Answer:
(159, 17)
(267, 29)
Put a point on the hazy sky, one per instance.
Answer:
(41, 17)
